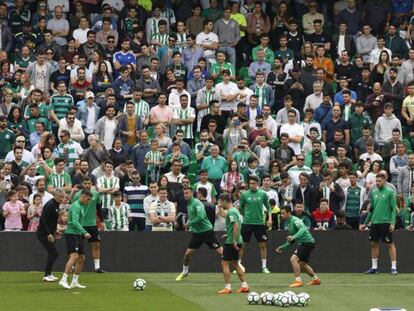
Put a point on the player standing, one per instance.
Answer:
(381, 216)
(202, 231)
(306, 243)
(233, 243)
(74, 235)
(251, 207)
(89, 221)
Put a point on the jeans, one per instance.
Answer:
(230, 52)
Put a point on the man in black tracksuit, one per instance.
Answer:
(45, 232)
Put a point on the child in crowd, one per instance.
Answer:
(62, 223)
(154, 160)
(12, 211)
(119, 214)
(34, 212)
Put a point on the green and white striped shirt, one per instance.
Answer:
(186, 113)
(104, 182)
(168, 15)
(153, 156)
(60, 104)
(119, 217)
(261, 93)
(59, 180)
(70, 152)
(181, 41)
(141, 108)
(162, 38)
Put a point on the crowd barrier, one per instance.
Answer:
(335, 251)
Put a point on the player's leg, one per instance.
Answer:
(261, 238)
(95, 241)
(226, 274)
(392, 250)
(186, 264)
(374, 237)
(79, 264)
(73, 257)
(294, 261)
(244, 288)
(308, 269)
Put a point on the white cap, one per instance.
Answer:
(89, 94)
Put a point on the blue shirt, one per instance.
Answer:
(330, 127)
(339, 99)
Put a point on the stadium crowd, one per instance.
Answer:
(139, 98)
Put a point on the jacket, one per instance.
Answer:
(270, 94)
(349, 44)
(83, 113)
(397, 45)
(31, 70)
(384, 127)
(6, 38)
(123, 126)
(100, 128)
(308, 198)
(403, 183)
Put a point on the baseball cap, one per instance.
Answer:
(89, 94)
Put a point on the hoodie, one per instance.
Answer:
(384, 127)
(322, 113)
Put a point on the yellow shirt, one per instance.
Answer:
(131, 128)
(241, 20)
(409, 104)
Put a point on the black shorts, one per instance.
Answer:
(380, 232)
(304, 251)
(208, 237)
(75, 244)
(229, 253)
(259, 233)
(94, 232)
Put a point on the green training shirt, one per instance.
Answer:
(89, 218)
(251, 206)
(383, 207)
(198, 220)
(298, 231)
(233, 216)
(76, 214)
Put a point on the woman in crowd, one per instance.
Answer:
(163, 140)
(118, 154)
(102, 79)
(16, 122)
(232, 178)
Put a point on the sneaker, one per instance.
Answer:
(296, 284)
(48, 278)
(53, 277)
(314, 282)
(371, 271)
(243, 290)
(265, 270)
(100, 270)
(224, 291)
(181, 276)
(393, 272)
(64, 284)
(76, 285)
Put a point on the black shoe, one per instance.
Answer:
(100, 270)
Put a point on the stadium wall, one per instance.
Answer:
(336, 251)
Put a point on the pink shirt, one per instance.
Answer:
(162, 115)
(13, 219)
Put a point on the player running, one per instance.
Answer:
(74, 235)
(306, 243)
(381, 216)
(233, 243)
(89, 221)
(202, 230)
(251, 207)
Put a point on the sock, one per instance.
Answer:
(314, 277)
(244, 284)
(227, 286)
(96, 263)
(394, 265)
(239, 262)
(264, 263)
(298, 279)
(374, 263)
(185, 269)
(75, 278)
(64, 277)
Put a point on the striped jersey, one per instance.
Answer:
(59, 180)
(153, 156)
(353, 201)
(141, 108)
(60, 104)
(69, 152)
(107, 199)
(261, 93)
(135, 197)
(168, 15)
(181, 41)
(119, 217)
(162, 209)
(186, 113)
(162, 38)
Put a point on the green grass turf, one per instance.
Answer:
(113, 291)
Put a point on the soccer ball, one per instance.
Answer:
(283, 300)
(253, 298)
(267, 299)
(302, 301)
(276, 300)
(306, 295)
(139, 284)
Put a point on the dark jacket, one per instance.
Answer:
(308, 198)
(335, 198)
(123, 126)
(49, 219)
(349, 45)
(6, 39)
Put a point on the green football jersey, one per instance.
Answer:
(383, 207)
(89, 218)
(233, 216)
(298, 231)
(198, 219)
(251, 206)
(76, 214)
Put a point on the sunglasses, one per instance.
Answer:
(111, 41)
(301, 159)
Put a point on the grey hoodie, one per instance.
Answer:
(384, 127)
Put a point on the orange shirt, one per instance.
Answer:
(326, 64)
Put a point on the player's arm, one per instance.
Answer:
(242, 203)
(393, 210)
(235, 234)
(75, 219)
(199, 217)
(170, 218)
(301, 230)
(154, 219)
(371, 211)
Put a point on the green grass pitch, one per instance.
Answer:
(114, 291)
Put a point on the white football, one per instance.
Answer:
(253, 298)
(139, 284)
(267, 299)
(302, 301)
(284, 300)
